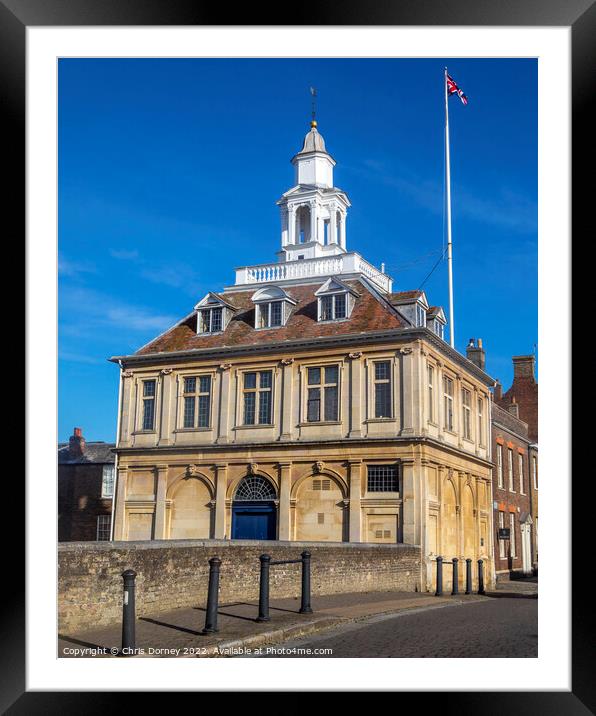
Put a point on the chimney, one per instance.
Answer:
(475, 353)
(523, 366)
(498, 391)
(76, 443)
(513, 408)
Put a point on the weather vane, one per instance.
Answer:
(313, 93)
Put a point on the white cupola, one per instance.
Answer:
(313, 212)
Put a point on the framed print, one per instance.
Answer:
(303, 455)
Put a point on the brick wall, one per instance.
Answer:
(174, 574)
(80, 501)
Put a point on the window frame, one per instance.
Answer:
(304, 367)
(382, 381)
(535, 471)
(102, 527)
(520, 468)
(430, 385)
(141, 381)
(500, 473)
(510, 470)
(200, 320)
(267, 306)
(393, 465)
(466, 413)
(333, 297)
(480, 420)
(322, 386)
(448, 400)
(108, 495)
(501, 523)
(197, 394)
(512, 540)
(257, 390)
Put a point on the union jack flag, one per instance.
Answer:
(452, 88)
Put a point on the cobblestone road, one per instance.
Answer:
(504, 626)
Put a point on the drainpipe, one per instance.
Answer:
(116, 458)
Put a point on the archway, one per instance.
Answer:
(254, 512)
(191, 510)
(320, 510)
(449, 522)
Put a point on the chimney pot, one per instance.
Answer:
(475, 353)
(76, 443)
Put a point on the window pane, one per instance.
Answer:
(276, 307)
(250, 380)
(205, 384)
(327, 308)
(340, 306)
(205, 323)
(216, 322)
(383, 478)
(331, 403)
(148, 413)
(382, 400)
(313, 413)
(149, 388)
(189, 412)
(107, 483)
(249, 408)
(382, 370)
(204, 405)
(265, 407)
(331, 374)
(265, 379)
(190, 385)
(314, 376)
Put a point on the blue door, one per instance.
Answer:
(253, 520)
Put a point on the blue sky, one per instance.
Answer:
(169, 171)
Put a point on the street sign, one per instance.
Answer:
(504, 533)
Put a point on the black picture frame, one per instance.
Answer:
(579, 15)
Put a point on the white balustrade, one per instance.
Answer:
(304, 268)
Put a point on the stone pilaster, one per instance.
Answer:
(355, 520)
(119, 506)
(165, 428)
(285, 484)
(223, 436)
(410, 522)
(221, 482)
(286, 406)
(355, 395)
(127, 408)
(159, 530)
(409, 390)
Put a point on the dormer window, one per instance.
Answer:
(335, 300)
(213, 314)
(211, 320)
(435, 320)
(272, 307)
(420, 315)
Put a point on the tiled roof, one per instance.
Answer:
(369, 314)
(95, 452)
(404, 295)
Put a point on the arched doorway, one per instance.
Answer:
(191, 513)
(254, 512)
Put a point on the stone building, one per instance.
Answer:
(85, 489)
(308, 401)
(522, 400)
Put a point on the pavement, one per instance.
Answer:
(177, 634)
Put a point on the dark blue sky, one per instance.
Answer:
(169, 171)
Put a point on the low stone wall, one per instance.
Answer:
(174, 574)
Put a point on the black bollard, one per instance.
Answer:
(468, 576)
(480, 578)
(439, 591)
(305, 607)
(455, 585)
(264, 589)
(128, 613)
(212, 597)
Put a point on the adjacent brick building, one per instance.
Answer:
(85, 489)
(522, 400)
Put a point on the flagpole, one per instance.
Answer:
(449, 245)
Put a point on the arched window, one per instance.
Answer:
(254, 487)
(302, 225)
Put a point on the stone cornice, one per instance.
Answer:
(374, 337)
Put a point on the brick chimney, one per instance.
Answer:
(524, 366)
(513, 408)
(475, 353)
(498, 391)
(76, 443)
